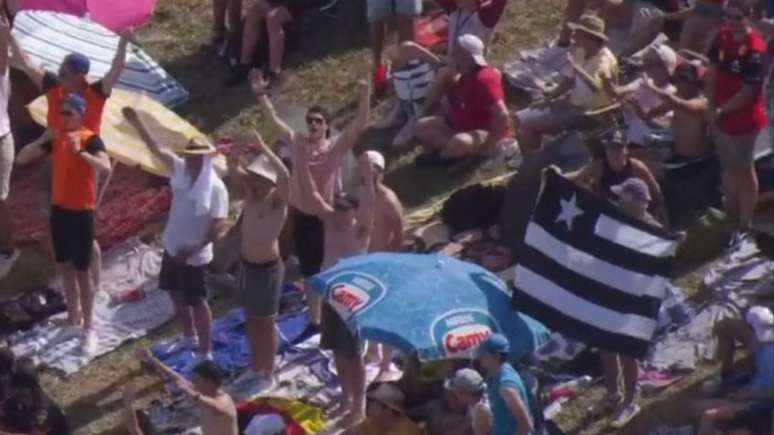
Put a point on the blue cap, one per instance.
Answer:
(77, 62)
(75, 102)
(496, 343)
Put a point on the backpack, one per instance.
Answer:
(474, 206)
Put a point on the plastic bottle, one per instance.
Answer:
(127, 296)
(566, 389)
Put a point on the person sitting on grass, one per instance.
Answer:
(581, 91)
(508, 397)
(639, 100)
(29, 410)
(266, 186)
(474, 121)
(754, 395)
(613, 168)
(218, 412)
(414, 67)
(386, 414)
(461, 409)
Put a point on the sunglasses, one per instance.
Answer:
(315, 121)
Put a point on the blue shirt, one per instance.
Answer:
(503, 422)
(763, 378)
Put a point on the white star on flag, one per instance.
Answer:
(569, 211)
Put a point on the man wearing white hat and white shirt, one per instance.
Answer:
(199, 207)
(266, 186)
(464, 114)
(755, 397)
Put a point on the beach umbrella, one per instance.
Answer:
(435, 305)
(47, 37)
(121, 139)
(116, 15)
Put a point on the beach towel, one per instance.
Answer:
(299, 417)
(47, 37)
(128, 266)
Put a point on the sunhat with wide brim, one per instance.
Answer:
(591, 24)
(200, 147)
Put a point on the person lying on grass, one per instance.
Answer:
(218, 412)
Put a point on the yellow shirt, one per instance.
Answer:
(603, 64)
(405, 427)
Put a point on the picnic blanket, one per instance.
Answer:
(47, 37)
(132, 200)
(128, 266)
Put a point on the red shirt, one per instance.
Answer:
(472, 99)
(738, 64)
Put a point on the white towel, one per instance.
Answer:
(201, 190)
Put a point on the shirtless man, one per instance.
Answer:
(217, 410)
(326, 157)
(387, 236)
(266, 186)
(689, 107)
(349, 224)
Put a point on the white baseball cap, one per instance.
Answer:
(375, 158)
(667, 56)
(761, 320)
(263, 168)
(474, 46)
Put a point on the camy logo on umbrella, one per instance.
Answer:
(350, 293)
(459, 333)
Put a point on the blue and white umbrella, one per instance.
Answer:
(433, 304)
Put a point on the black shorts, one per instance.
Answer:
(72, 234)
(298, 7)
(185, 280)
(335, 336)
(309, 239)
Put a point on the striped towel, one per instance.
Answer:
(47, 37)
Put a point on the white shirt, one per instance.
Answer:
(5, 94)
(185, 227)
(639, 130)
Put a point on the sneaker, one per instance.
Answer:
(625, 415)
(405, 134)
(395, 118)
(238, 74)
(380, 79)
(7, 261)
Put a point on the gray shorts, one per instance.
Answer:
(260, 287)
(336, 336)
(735, 151)
(380, 9)
(7, 153)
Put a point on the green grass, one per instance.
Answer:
(332, 57)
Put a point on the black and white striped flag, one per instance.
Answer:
(590, 272)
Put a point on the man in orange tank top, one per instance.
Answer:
(78, 156)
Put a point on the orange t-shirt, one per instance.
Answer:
(73, 181)
(95, 103)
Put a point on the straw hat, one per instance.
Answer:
(199, 146)
(263, 168)
(591, 24)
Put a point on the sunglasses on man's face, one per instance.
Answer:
(314, 121)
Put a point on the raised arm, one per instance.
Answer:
(367, 209)
(5, 40)
(307, 187)
(25, 64)
(283, 176)
(166, 156)
(119, 61)
(349, 137)
(258, 84)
